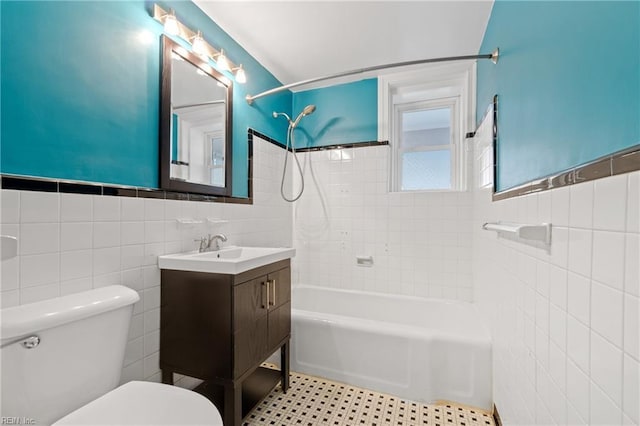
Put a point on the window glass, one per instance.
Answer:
(424, 147)
(426, 170)
(427, 127)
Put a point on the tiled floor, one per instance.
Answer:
(314, 401)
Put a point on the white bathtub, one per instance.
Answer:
(419, 349)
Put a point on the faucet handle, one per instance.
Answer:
(204, 243)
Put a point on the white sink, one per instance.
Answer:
(229, 260)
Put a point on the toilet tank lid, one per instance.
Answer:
(22, 320)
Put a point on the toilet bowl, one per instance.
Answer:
(61, 364)
(145, 403)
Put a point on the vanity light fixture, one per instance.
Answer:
(222, 61)
(199, 45)
(171, 23)
(241, 77)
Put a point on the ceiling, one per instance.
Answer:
(299, 40)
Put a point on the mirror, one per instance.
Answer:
(195, 124)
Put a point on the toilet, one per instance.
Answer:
(61, 363)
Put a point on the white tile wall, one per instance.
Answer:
(420, 242)
(586, 361)
(70, 243)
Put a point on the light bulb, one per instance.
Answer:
(223, 63)
(241, 77)
(171, 23)
(197, 45)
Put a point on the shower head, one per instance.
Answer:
(308, 110)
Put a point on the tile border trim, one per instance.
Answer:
(364, 144)
(41, 184)
(620, 162)
(624, 161)
(318, 148)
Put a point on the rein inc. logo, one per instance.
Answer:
(17, 421)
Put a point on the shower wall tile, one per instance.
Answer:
(609, 208)
(632, 265)
(607, 308)
(631, 389)
(74, 242)
(581, 205)
(608, 258)
(606, 367)
(420, 242)
(632, 326)
(587, 370)
(633, 203)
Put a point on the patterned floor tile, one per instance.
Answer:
(313, 401)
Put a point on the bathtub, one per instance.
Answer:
(419, 349)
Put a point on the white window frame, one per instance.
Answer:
(429, 84)
(453, 146)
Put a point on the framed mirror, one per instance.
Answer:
(195, 124)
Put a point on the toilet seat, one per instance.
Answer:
(145, 403)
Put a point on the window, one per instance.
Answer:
(425, 145)
(424, 115)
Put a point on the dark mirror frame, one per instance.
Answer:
(166, 183)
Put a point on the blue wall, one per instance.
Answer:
(568, 82)
(345, 113)
(80, 91)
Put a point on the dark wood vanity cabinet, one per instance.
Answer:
(220, 328)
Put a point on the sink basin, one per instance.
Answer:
(229, 260)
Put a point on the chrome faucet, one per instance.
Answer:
(218, 239)
(206, 242)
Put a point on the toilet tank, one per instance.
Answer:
(78, 350)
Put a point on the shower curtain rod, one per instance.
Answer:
(493, 56)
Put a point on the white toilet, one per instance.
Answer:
(61, 363)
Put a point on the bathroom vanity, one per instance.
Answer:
(220, 327)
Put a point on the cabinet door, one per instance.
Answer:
(250, 345)
(280, 288)
(249, 324)
(195, 324)
(249, 302)
(279, 324)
